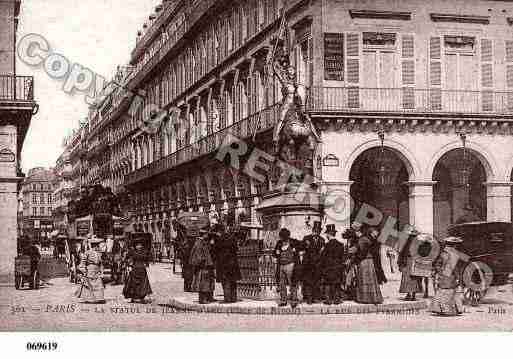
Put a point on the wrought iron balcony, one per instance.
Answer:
(143, 70)
(260, 121)
(16, 88)
(351, 99)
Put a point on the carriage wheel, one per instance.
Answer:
(17, 281)
(35, 280)
(474, 296)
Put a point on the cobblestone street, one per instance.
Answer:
(54, 308)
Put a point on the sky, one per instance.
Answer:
(97, 34)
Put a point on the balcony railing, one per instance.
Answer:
(16, 88)
(349, 99)
(258, 122)
(141, 71)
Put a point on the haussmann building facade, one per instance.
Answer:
(412, 100)
(16, 109)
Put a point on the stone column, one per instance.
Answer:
(421, 205)
(498, 201)
(338, 203)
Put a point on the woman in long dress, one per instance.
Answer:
(446, 302)
(138, 286)
(367, 287)
(202, 264)
(410, 284)
(92, 288)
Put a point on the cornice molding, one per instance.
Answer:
(350, 124)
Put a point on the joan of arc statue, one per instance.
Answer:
(295, 126)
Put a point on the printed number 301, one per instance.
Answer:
(40, 346)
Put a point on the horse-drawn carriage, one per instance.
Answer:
(489, 247)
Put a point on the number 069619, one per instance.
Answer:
(42, 346)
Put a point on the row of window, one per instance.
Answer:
(41, 186)
(209, 49)
(40, 198)
(41, 211)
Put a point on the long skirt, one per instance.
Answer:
(446, 302)
(203, 281)
(137, 285)
(91, 287)
(409, 283)
(367, 287)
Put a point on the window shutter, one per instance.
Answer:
(353, 69)
(509, 73)
(256, 105)
(487, 74)
(435, 73)
(408, 71)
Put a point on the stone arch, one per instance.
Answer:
(487, 160)
(406, 156)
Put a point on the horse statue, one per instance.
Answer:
(295, 129)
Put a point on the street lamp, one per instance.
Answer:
(463, 168)
(382, 180)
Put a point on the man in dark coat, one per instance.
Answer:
(227, 264)
(287, 254)
(332, 266)
(185, 254)
(313, 244)
(30, 249)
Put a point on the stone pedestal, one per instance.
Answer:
(290, 209)
(498, 201)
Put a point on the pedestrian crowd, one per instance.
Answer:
(329, 269)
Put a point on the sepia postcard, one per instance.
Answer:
(256, 165)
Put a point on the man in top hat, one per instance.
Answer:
(332, 266)
(287, 254)
(314, 245)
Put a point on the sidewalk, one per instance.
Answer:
(393, 303)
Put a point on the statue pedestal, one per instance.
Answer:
(281, 208)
